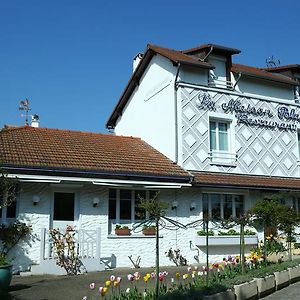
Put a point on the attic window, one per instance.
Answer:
(220, 76)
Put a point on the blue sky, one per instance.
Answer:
(73, 58)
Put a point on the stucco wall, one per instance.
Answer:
(149, 113)
(115, 250)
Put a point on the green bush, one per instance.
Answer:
(203, 232)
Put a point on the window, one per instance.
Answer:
(124, 206)
(220, 142)
(296, 204)
(8, 213)
(218, 136)
(222, 206)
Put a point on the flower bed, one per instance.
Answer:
(225, 282)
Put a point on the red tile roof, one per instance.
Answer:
(179, 57)
(259, 73)
(283, 68)
(214, 47)
(44, 149)
(245, 181)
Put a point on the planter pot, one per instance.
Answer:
(282, 279)
(122, 231)
(246, 291)
(149, 231)
(294, 274)
(296, 251)
(281, 256)
(265, 285)
(5, 276)
(227, 295)
(223, 240)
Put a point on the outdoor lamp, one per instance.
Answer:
(35, 200)
(174, 205)
(193, 206)
(96, 201)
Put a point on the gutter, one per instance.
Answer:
(97, 181)
(73, 173)
(176, 113)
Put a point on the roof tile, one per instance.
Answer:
(45, 148)
(245, 181)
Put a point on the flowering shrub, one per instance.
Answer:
(65, 250)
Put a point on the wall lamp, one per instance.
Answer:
(193, 206)
(174, 205)
(35, 200)
(96, 201)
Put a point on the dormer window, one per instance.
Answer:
(218, 77)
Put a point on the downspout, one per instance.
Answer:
(176, 113)
(208, 53)
(238, 79)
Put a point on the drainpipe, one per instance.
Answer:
(208, 54)
(176, 113)
(238, 79)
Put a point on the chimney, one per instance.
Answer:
(35, 121)
(136, 60)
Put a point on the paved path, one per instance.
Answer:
(291, 292)
(47, 287)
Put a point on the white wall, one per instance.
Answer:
(265, 88)
(149, 113)
(115, 249)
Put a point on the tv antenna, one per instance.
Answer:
(24, 105)
(272, 62)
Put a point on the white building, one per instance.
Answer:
(224, 135)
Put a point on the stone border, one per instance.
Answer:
(259, 287)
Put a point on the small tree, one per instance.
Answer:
(269, 212)
(156, 209)
(288, 219)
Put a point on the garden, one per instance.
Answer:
(262, 271)
(267, 268)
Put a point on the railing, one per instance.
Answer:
(220, 157)
(87, 244)
(220, 83)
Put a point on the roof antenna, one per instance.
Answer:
(272, 62)
(24, 105)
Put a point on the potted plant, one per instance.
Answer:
(10, 235)
(5, 272)
(122, 230)
(149, 230)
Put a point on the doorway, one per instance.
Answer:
(63, 213)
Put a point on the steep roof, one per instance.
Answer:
(260, 73)
(245, 181)
(176, 57)
(47, 149)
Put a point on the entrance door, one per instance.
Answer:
(63, 210)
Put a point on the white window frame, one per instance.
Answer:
(113, 222)
(222, 201)
(3, 216)
(222, 157)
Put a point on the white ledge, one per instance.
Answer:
(225, 240)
